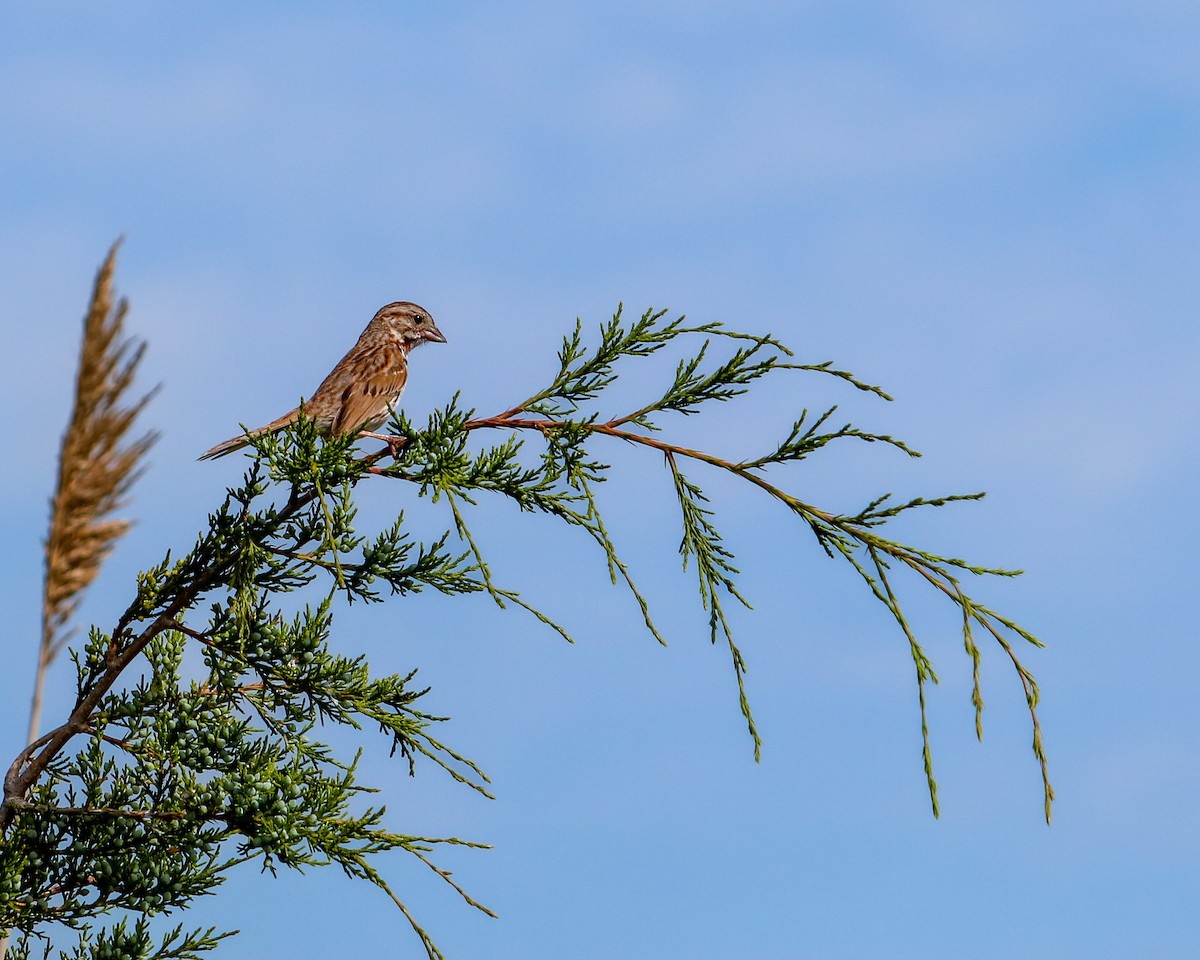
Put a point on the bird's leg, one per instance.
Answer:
(395, 443)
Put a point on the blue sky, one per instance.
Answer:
(990, 209)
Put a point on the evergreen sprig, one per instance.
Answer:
(563, 413)
(158, 783)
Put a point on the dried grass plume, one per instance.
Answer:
(97, 467)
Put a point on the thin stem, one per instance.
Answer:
(337, 563)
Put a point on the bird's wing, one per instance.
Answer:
(361, 389)
(371, 387)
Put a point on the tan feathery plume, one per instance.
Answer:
(95, 471)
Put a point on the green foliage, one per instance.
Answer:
(159, 783)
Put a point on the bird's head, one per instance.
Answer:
(408, 323)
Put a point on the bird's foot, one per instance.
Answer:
(395, 443)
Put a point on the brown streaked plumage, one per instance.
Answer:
(359, 392)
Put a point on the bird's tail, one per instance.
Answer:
(236, 443)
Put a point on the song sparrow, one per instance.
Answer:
(358, 394)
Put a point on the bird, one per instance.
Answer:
(360, 391)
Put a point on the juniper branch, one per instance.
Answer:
(230, 763)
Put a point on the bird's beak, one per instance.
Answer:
(434, 334)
